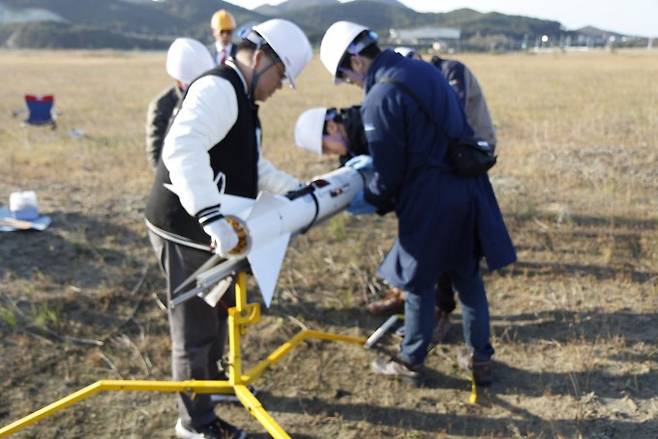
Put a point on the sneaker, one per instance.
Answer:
(391, 303)
(217, 429)
(442, 327)
(394, 367)
(481, 371)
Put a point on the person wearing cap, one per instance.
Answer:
(222, 25)
(214, 147)
(446, 222)
(186, 59)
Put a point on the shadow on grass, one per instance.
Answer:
(612, 222)
(427, 421)
(529, 269)
(71, 251)
(563, 326)
(339, 317)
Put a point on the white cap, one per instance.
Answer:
(308, 129)
(187, 59)
(290, 44)
(335, 42)
(23, 205)
(407, 52)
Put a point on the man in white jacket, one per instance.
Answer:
(213, 146)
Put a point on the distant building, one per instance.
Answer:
(425, 37)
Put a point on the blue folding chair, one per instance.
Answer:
(40, 110)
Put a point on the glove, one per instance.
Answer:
(361, 163)
(359, 206)
(224, 239)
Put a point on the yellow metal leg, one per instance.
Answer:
(116, 385)
(240, 316)
(256, 409)
(255, 372)
(473, 399)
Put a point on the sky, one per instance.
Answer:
(631, 17)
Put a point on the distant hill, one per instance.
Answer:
(382, 17)
(152, 24)
(515, 26)
(292, 5)
(26, 15)
(54, 35)
(133, 20)
(592, 31)
(379, 16)
(296, 5)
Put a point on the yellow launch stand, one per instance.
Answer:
(240, 316)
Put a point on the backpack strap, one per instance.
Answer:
(409, 92)
(437, 127)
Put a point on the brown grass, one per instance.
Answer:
(575, 320)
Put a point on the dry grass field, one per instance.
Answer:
(575, 321)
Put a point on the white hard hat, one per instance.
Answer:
(407, 52)
(290, 44)
(335, 42)
(308, 129)
(187, 59)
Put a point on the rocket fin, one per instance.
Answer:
(266, 264)
(267, 202)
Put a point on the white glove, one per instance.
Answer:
(223, 237)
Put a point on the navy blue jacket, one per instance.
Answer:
(445, 221)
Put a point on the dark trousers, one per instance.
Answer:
(445, 295)
(198, 331)
(420, 315)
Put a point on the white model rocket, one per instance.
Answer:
(269, 221)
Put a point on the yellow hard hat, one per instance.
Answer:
(222, 20)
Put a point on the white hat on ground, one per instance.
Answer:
(22, 214)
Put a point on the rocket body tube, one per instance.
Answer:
(271, 220)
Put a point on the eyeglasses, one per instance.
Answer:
(226, 32)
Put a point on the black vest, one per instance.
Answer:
(236, 155)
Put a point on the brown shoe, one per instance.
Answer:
(481, 371)
(442, 327)
(391, 303)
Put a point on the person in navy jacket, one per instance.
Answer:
(446, 222)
